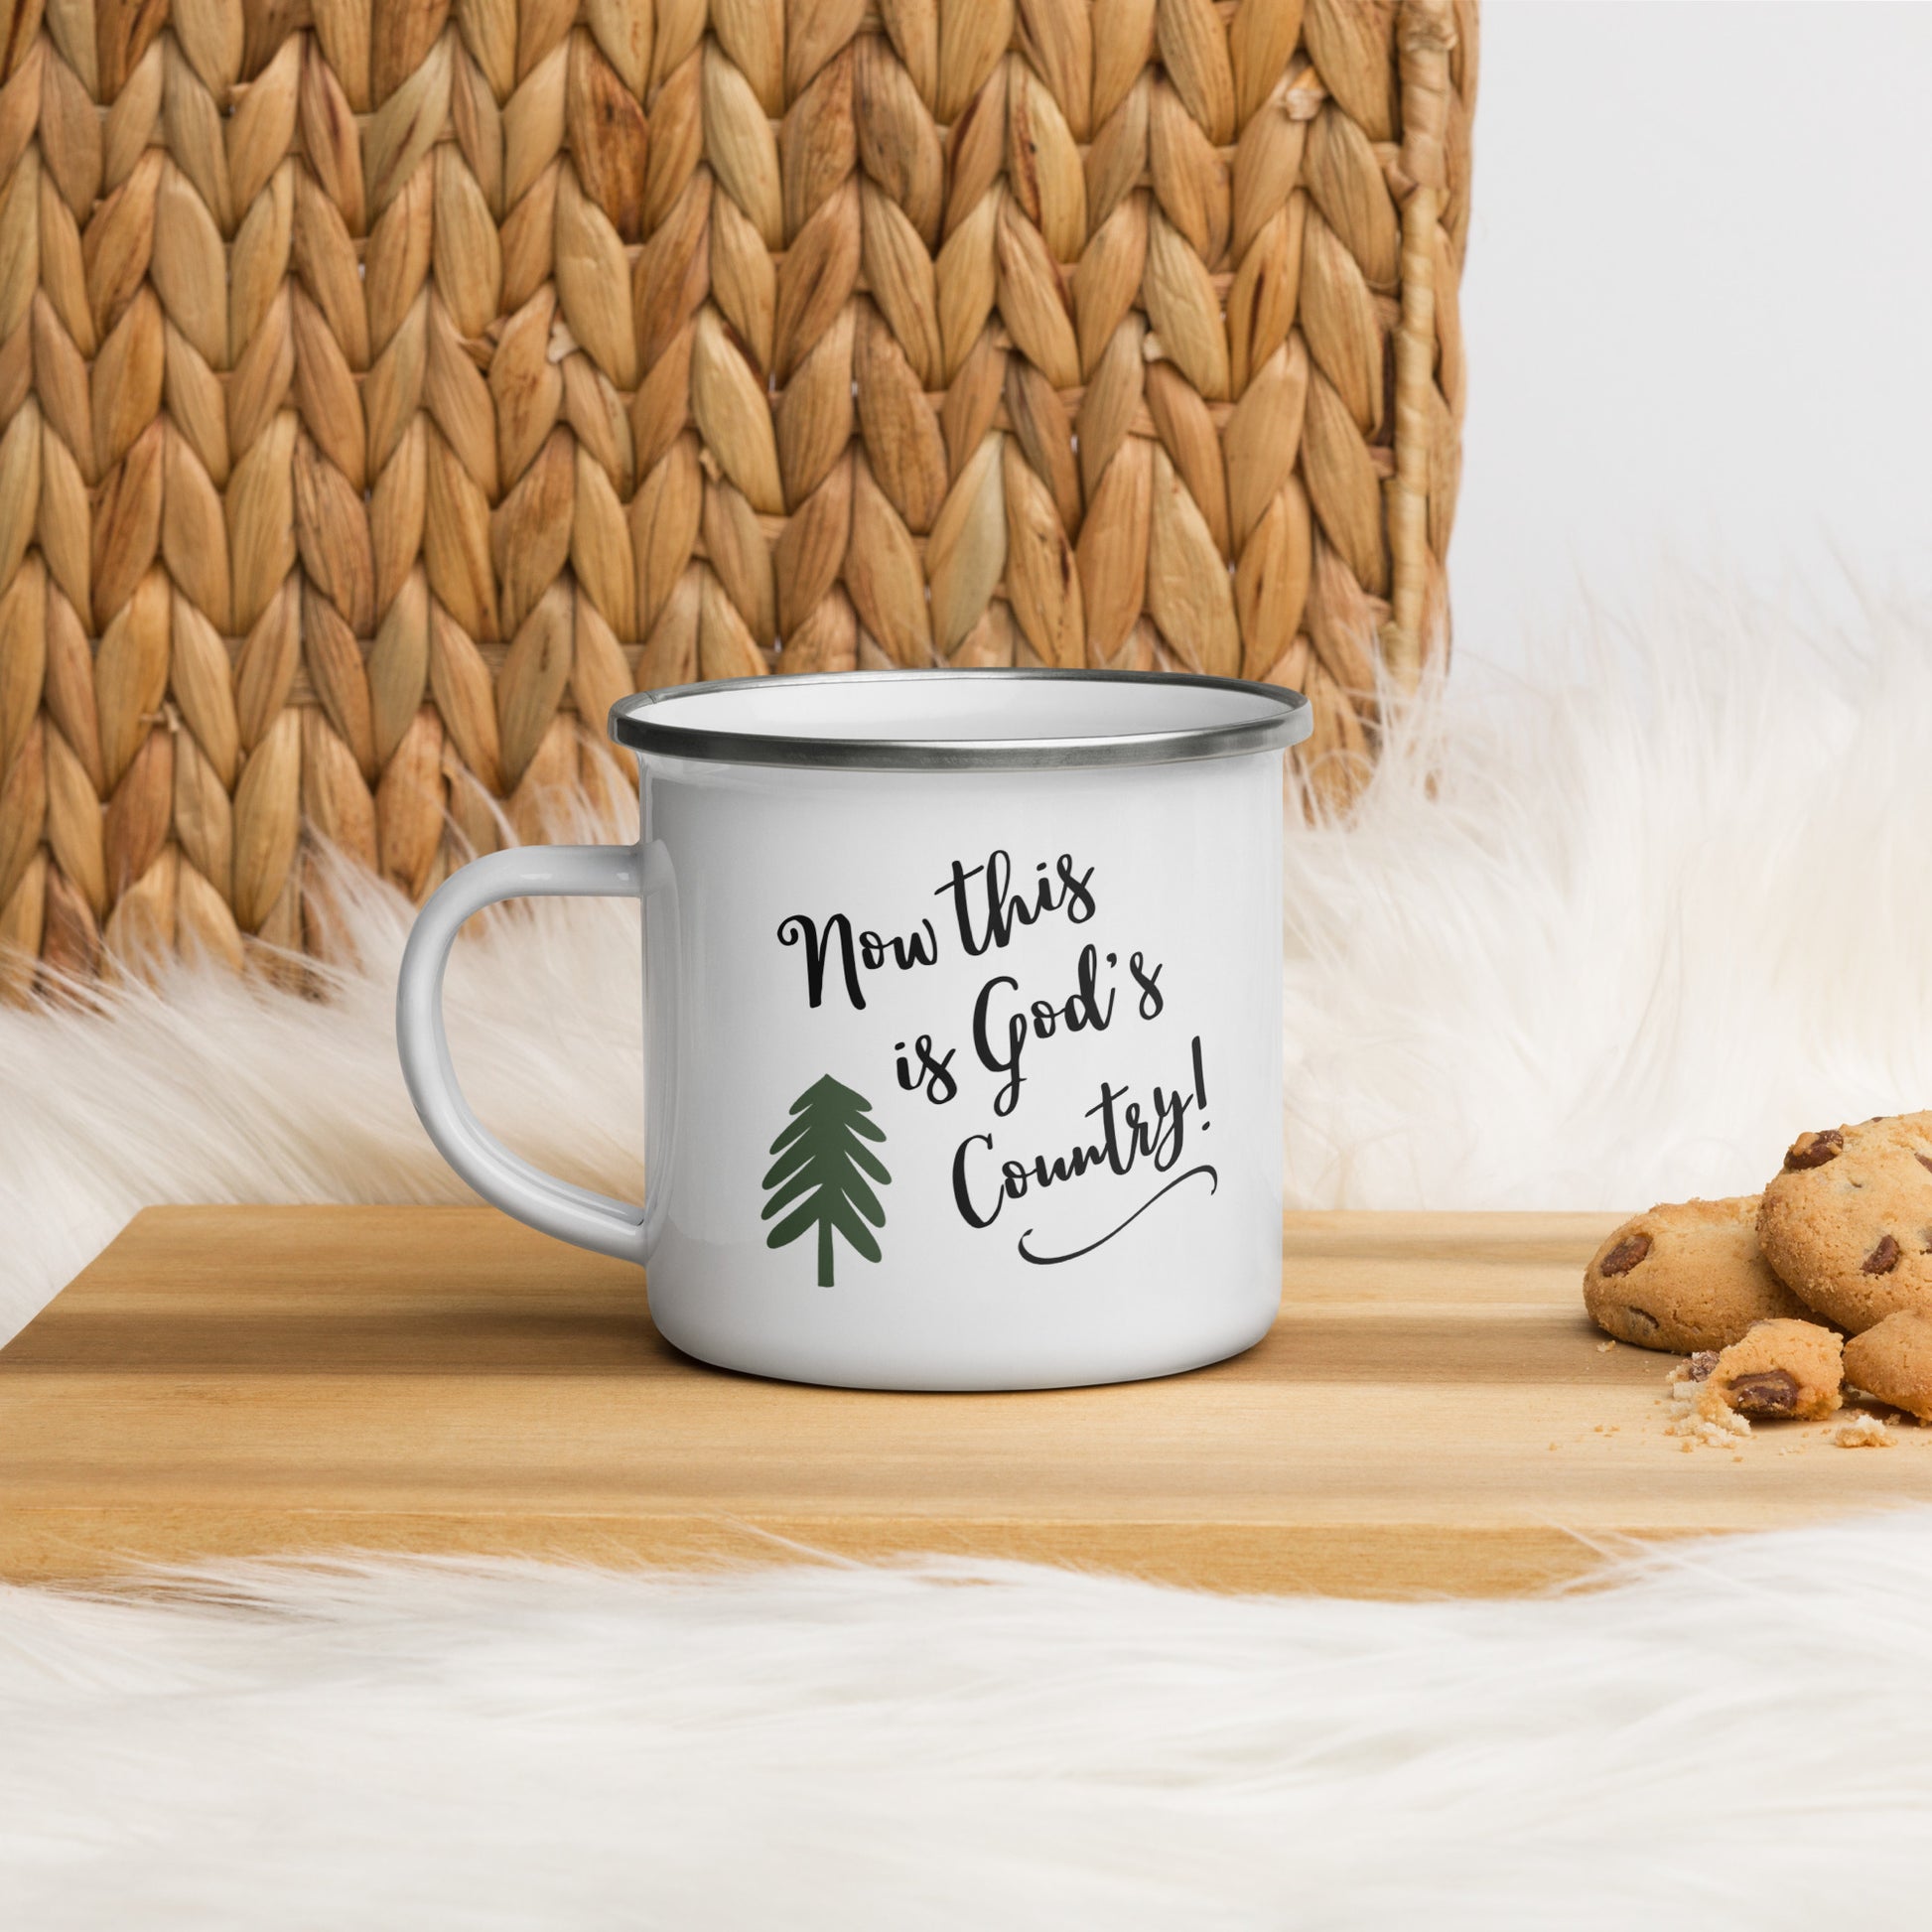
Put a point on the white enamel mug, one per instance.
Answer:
(963, 1024)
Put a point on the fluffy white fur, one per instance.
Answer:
(1741, 1738)
(1604, 940)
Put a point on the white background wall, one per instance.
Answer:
(1697, 304)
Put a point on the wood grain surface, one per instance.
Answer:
(1430, 1413)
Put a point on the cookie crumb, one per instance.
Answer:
(1716, 1427)
(1604, 1347)
(1682, 1383)
(1862, 1432)
(1697, 1369)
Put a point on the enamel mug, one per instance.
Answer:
(963, 1023)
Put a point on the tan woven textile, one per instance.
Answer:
(384, 389)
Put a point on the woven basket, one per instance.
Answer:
(388, 389)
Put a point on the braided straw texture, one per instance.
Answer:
(386, 388)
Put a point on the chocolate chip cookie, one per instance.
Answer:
(1779, 1369)
(1848, 1223)
(1893, 1360)
(1686, 1276)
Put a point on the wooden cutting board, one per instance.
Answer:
(1430, 1413)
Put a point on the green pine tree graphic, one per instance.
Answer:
(822, 1157)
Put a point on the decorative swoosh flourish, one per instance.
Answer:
(1050, 1261)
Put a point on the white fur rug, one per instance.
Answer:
(1742, 1739)
(1589, 944)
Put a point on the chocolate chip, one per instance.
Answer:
(1925, 1161)
(1814, 1150)
(1883, 1259)
(1701, 1365)
(1768, 1392)
(1626, 1256)
(1639, 1324)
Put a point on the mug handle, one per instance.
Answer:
(506, 1179)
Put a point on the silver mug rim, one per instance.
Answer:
(632, 725)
